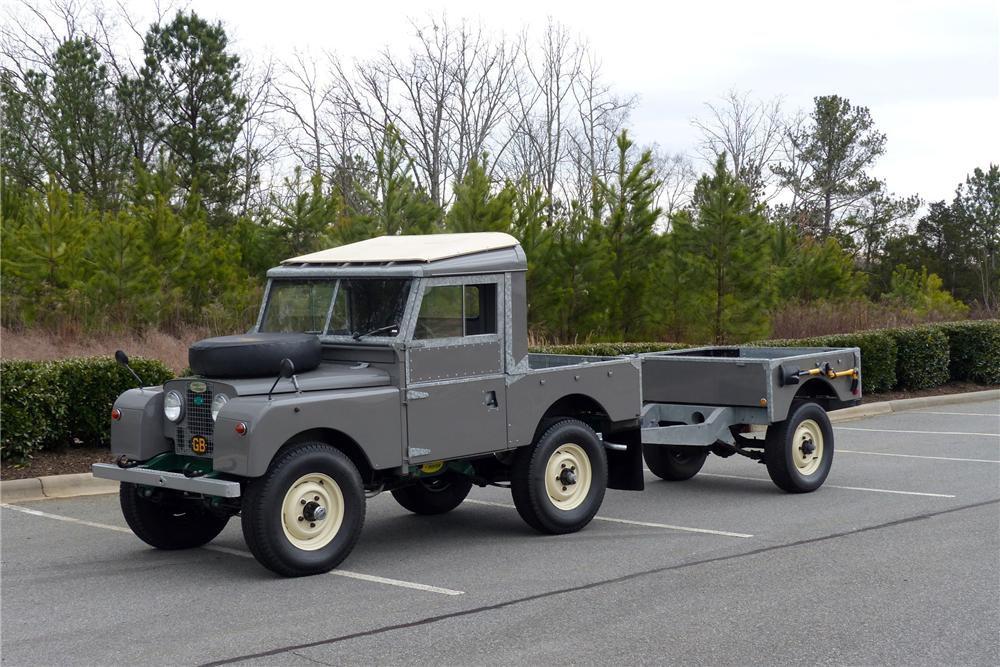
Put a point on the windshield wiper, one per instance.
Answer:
(389, 327)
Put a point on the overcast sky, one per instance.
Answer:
(929, 71)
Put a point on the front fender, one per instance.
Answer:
(139, 432)
(369, 416)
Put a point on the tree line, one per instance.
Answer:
(152, 185)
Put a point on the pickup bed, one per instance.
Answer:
(400, 364)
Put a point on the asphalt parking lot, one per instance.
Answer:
(894, 560)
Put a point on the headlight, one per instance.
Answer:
(173, 406)
(217, 403)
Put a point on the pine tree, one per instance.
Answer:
(631, 239)
(476, 208)
(729, 241)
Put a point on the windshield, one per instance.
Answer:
(361, 305)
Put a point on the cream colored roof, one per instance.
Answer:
(416, 248)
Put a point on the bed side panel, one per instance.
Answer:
(703, 380)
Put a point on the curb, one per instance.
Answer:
(55, 486)
(903, 404)
(85, 484)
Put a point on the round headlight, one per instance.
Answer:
(173, 406)
(217, 403)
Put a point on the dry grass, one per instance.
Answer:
(41, 345)
(803, 320)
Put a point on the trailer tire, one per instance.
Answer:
(305, 514)
(433, 495)
(798, 452)
(165, 524)
(568, 501)
(674, 463)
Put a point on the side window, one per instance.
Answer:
(452, 311)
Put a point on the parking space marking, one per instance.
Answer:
(886, 430)
(917, 456)
(836, 486)
(963, 414)
(243, 554)
(629, 522)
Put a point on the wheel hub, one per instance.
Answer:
(807, 447)
(568, 476)
(312, 511)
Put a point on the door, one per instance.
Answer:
(456, 394)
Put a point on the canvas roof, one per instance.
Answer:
(414, 248)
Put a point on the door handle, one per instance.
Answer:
(490, 399)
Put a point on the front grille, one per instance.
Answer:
(197, 422)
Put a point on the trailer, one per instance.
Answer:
(400, 364)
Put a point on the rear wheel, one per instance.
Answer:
(434, 495)
(799, 451)
(305, 514)
(166, 520)
(558, 484)
(674, 463)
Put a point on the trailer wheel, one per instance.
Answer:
(434, 495)
(674, 463)
(799, 451)
(558, 483)
(165, 520)
(305, 514)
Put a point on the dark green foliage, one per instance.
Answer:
(91, 385)
(607, 349)
(974, 349)
(52, 404)
(476, 208)
(922, 357)
(34, 408)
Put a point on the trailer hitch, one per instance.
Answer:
(792, 374)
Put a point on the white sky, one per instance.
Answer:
(929, 71)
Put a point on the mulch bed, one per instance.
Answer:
(78, 459)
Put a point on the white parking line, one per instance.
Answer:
(243, 554)
(886, 430)
(835, 486)
(645, 524)
(963, 414)
(916, 456)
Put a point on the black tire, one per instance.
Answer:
(253, 355)
(790, 466)
(434, 495)
(528, 485)
(167, 521)
(264, 503)
(674, 463)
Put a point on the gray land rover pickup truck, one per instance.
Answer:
(401, 364)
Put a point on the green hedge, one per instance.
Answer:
(52, 404)
(607, 349)
(32, 408)
(922, 357)
(974, 348)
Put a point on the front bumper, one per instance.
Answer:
(207, 486)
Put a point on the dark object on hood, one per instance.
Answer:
(253, 355)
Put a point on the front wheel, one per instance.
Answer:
(166, 520)
(305, 514)
(434, 495)
(558, 484)
(674, 463)
(799, 451)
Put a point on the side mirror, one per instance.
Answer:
(121, 357)
(287, 368)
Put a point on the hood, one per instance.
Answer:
(326, 376)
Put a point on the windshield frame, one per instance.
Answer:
(402, 324)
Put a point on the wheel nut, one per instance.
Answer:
(303, 501)
(316, 498)
(312, 525)
(302, 518)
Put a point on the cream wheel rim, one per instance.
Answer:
(312, 511)
(568, 476)
(807, 447)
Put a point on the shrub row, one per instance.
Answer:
(907, 358)
(52, 404)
